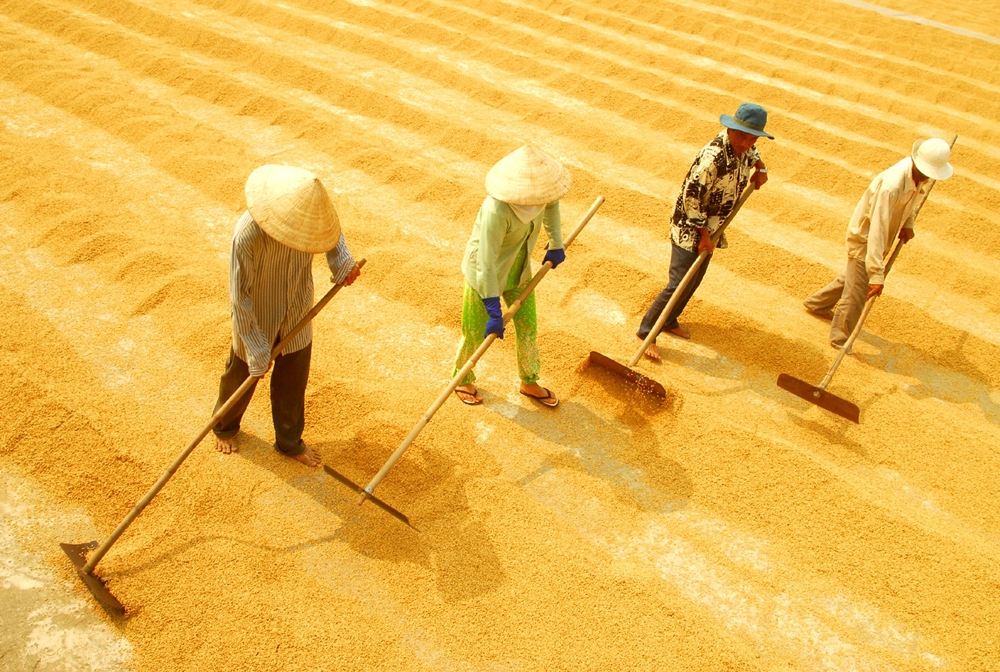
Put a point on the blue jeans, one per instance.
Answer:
(680, 261)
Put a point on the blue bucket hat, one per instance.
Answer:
(749, 118)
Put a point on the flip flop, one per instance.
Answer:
(474, 401)
(546, 400)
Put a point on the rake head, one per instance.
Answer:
(644, 384)
(820, 397)
(368, 496)
(77, 554)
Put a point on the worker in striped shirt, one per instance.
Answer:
(289, 218)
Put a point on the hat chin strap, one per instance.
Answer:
(526, 213)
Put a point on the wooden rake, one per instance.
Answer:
(85, 562)
(366, 492)
(644, 383)
(818, 394)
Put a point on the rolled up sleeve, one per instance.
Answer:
(701, 178)
(340, 261)
(552, 223)
(878, 231)
(492, 228)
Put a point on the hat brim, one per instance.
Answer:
(934, 172)
(529, 177)
(728, 121)
(292, 206)
(930, 170)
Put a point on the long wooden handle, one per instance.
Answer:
(846, 348)
(480, 351)
(676, 296)
(96, 556)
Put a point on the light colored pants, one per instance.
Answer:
(845, 296)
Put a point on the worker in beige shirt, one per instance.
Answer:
(884, 212)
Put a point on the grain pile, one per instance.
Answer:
(734, 528)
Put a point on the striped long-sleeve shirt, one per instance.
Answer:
(271, 289)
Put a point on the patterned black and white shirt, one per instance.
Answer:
(712, 186)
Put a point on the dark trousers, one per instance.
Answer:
(680, 261)
(288, 398)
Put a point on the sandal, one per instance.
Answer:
(470, 398)
(549, 399)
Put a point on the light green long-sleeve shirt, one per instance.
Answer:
(497, 236)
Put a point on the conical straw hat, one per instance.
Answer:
(292, 206)
(528, 176)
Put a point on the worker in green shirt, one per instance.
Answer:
(524, 190)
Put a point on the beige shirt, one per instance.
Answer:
(885, 208)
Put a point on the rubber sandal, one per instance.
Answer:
(544, 400)
(474, 401)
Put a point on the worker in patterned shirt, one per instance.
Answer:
(718, 176)
(289, 218)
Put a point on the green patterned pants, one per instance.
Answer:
(474, 318)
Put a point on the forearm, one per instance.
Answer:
(552, 222)
(340, 261)
(258, 350)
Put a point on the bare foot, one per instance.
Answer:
(310, 458)
(652, 352)
(681, 331)
(468, 394)
(226, 446)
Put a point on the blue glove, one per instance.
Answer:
(555, 256)
(495, 325)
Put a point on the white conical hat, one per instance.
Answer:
(931, 158)
(292, 206)
(528, 176)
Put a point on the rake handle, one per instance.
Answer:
(676, 296)
(480, 351)
(98, 554)
(871, 302)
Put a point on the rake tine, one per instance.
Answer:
(639, 381)
(77, 554)
(375, 500)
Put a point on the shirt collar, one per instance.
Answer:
(727, 147)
